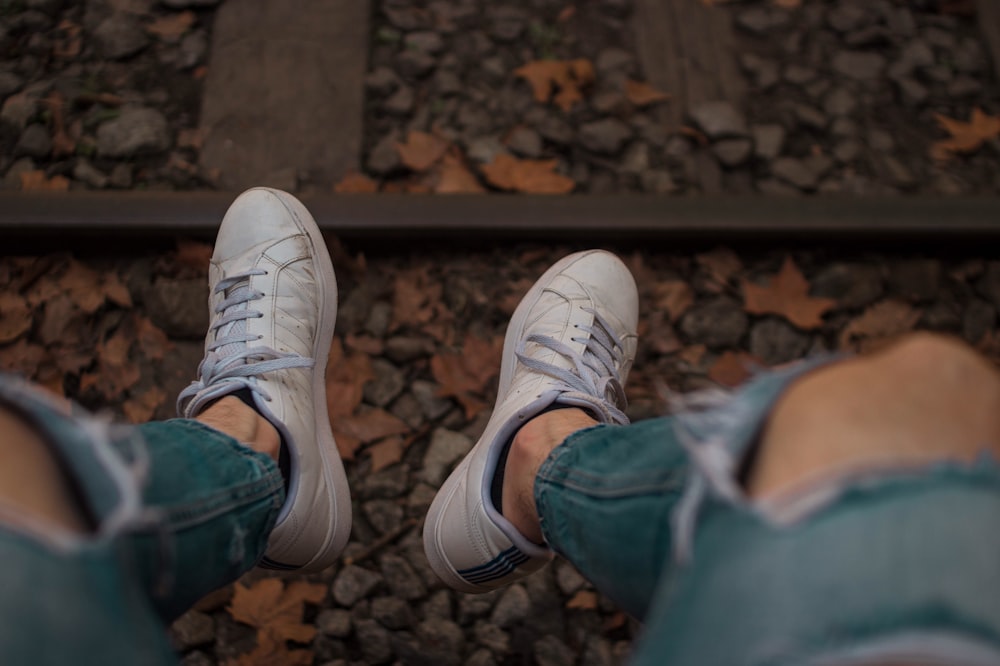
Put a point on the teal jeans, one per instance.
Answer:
(899, 567)
(177, 510)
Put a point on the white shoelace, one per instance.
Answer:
(594, 378)
(229, 365)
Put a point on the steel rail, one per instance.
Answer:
(383, 217)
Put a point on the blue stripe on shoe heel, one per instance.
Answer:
(499, 567)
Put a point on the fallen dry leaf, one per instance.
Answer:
(69, 43)
(37, 181)
(271, 652)
(879, 322)
(466, 376)
(23, 358)
(566, 76)
(673, 296)
(353, 432)
(84, 286)
(454, 177)
(529, 176)
(387, 452)
(172, 27)
(642, 94)
(191, 138)
(657, 334)
(693, 355)
(274, 610)
(787, 295)
(153, 342)
(140, 408)
(194, 255)
(355, 183)
(583, 600)
(63, 143)
(732, 368)
(15, 317)
(566, 13)
(116, 373)
(365, 344)
(416, 301)
(966, 137)
(346, 376)
(721, 264)
(421, 150)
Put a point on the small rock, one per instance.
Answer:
(568, 578)
(506, 23)
(611, 59)
(392, 613)
(859, 65)
(896, 172)
(375, 641)
(840, 102)
(178, 306)
(10, 83)
(657, 181)
(121, 176)
(968, 57)
(804, 174)
(120, 36)
(441, 640)
(769, 140)
(136, 131)
(605, 136)
(550, 651)
(871, 36)
(720, 322)
(719, 120)
(381, 81)
(940, 38)
(384, 515)
(597, 651)
(636, 158)
(844, 127)
(555, 129)
(18, 110)
(939, 74)
(401, 102)
(481, 657)
(34, 142)
(810, 118)
(334, 622)
(978, 319)
(447, 82)
(401, 579)
(525, 142)
(765, 73)
(197, 658)
(192, 629)
(484, 149)
(12, 179)
(761, 20)
(940, 316)
(799, 75)
(492, 637)
(403, 349)
(354, 583)
(512, 607)
(902, 23)
(845, 18)
(85, 172)
(387, 483)
(439, 605)
(774, 342)
(880, 140)
(733, 152)
(434, 406)
(964, 86)
(853, 285)
(384, 158)
(446, 448)
(708, 175)
(414, 65)
(912, 92)
(406, 18)
(424, 40)
(192, 49)
(915, 279)
(607, 102)
(846, 152)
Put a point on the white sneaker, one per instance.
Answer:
(571, 342)
(273, 306)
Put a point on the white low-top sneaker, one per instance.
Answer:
(273, 306)
(571, 342)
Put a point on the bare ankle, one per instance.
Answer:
(235, 418)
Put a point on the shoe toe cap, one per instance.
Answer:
(257, 217)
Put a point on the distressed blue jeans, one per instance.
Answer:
(178, 509)
(899, 567)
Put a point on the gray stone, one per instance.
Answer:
(939, 74)
(34, 142)
(334, 622)
(859, 65)
(447, 82)
(964, 86)
(720, 322)
(940, 38)
(384, 158)
(474, 119)
(406, 18)
(568, 578)
(846, 152)
(414, 64)
(733, 152)
(607, 102)
(525, 141)
(766, 73)
(18, 109)
(896, 172)
(481, 657)
(484, 149)
(606, 136)
(400, 103)
(941, 316)
(197, 658)
(761, 20)
(121, 176)
(917, 54)
(192, 629)
(403, 349)
(880, 140)
(85, 172)
(555, 129)
(845, 17)
(968, 57)
(354, 583)
(506, 23)
(492, 637)
(401, 579)
(192, 49)
(611, 59)
(719, 120)
(381, 80)
(769, 140)
(426, 393)
(657, 181)
(446, 448)
(375, 641)
(915, 279)
(912, 91)
(392, 613)
(439, 605)
(810, 117)
(136, 131)
(799, 75)
(871, 36)
(978, 319)
(10, 83)
(805, 173)
(902, 22)
(424, 40)
(844, 127)
(774, 341)
(120, 36)
(840, 102)
(550, 651)
(636, 158)
(852, 285)
(512, 607)
(384, 515)
(178, 306)
(775, 188)
(12, 179)
(441, 639)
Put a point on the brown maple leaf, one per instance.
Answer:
(673, 296)
(642, 94)
(966, 137)
(721, 264)
(732, 368)
(153, 342)
(353, 432)
(876, 325)
(275, 610)
(15, 317)
(172, 27)
(37, 181)
(272, 652)
(346, 376)
(387, 452)
(566, 76)
(355, 183)
(454, 177)
(787, 295)
(529, 176)
(583, 600)
(116, 373)
(193, 255)
(416, 300)
(421, 150)
(140, 408)
(465, 376)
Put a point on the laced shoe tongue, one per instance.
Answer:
(235, 329)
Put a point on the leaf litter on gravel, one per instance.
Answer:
(276, 611)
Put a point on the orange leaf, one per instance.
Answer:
(421, 150)
(345, 380)
(191, 138)
(721, 264)
(529, 176)
(15, 317)
(882, 320)
(466, 376)
(193, 254)
(787, 295)
(693, 355)
(386, 452)
(270, 652)
(152, 340)
(732, 368)
(172, 27)
(275, 610)
(674, 296)
(643, 94)
(351, 432)
(584, 600)
(140, 409)
(416, 300)
(569, 76)
(965, 137)
(37, 181)
(455, 178)
(356, 183)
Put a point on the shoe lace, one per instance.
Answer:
(594, 379)
(229, 365)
